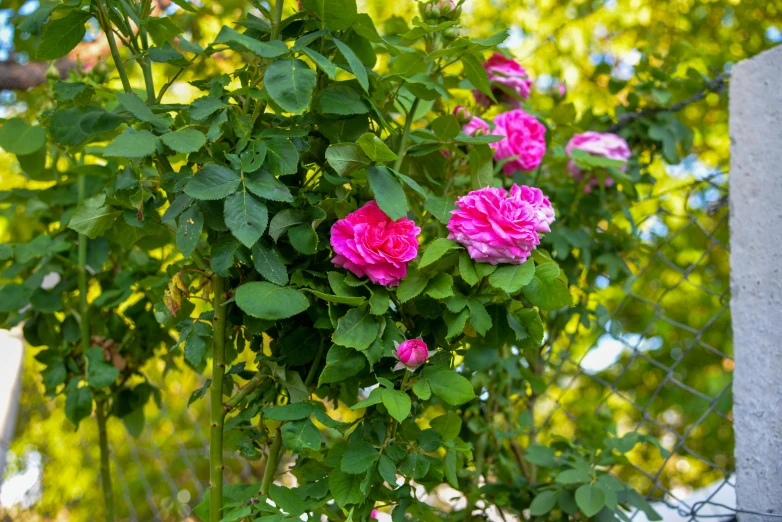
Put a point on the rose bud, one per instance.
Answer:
(463, 116)
(411, 354)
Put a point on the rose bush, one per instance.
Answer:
(342, 219)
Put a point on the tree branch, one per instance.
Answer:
(715, 85)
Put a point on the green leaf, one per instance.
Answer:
(590, 499)
(303, 238)
(341, 363)
(388, 192)
(62, 35)
(100, 373)
(356, 329)
(337, 15)
(191, 223)
(253, 156)
(267, 301)
(380, 301)
(92, 217)
(132, 144)
(136, 106)
(213, 182)
(541, 455)
(286, 499)
(284, 220)
(415, 465)
(201, 108)
(269, 264)
(422, 390)
(546, 290)
(340, 299)
(359, 458)
(446, 127)
(479, 317)
(34, 22)
(184, 141)
(387, 470)
(266, 186)
(19, 138)
(375, 148)
(346, 158)
(340, 100)
(573, 476)
(322, 62)
(246, 217)
(467, 269)
(448, 425)
(344, 487)
(161, 29)
(441, 207)
(282, 157)
(543, 502)
(290, 84)
(356, 67)
(481, 166)
(78, 404)
(436, 250)
(289, 412)
(410, 287)
(511, 278)
(451, 387)
(373, 398)
(223, 253)
(301, 434)
(440, 286)
(397, 403)
(476, 74)
(230, 37)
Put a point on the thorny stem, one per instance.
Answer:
(108, 494)
(105, 25)
(271, 462)
(315, 364)
(275, 34)
(217, 410)
(250, 387)
(405, 133)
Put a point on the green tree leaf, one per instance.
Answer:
(246, 217)
(341, 363)
(322, 62)
(191, 223)
(440, 286)
(19, 138)
(136, 106)
(388, 192)
(267, 301)
(346, 158)
(303, 238)
(223, 253)
(78, 404)
(397, 403)
(213, 182)
(100, 373)
(546, 290)
(286, 499)
(62, 35)
(436, 250)
(201, 108)
(451, 387)
(448, 425)
(446, 127)
(266, 186)
(543, 502)
(375, 148)
(290, 83)
(184, 141)
(354, 63)
(511, 278)
(340, 100)
(476, 74)
(132, 144)
(356, 329)
(479, 317)
(301, 434)
(284, 220)
(238, 41)
(337, 15)
(344, 487)
(590, 499)
(359, 458)
(92, 217)
(440, 207)
(410, 287)
(281, 157)
(387, 470)
(253, 156)
(289, 412)
(268, 263)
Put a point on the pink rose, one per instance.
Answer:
(411, 354)
(368, 243)
(472, 125)
(558, 90)
(603, 144)
(525, 139)
(497, 227)
(374, 514)
(505, 75)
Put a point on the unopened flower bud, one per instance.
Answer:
(451, 33)
(411, 354)
(463, 116)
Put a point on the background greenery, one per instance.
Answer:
(595, 47)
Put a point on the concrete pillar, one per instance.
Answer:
(11, 356)
(756, 281)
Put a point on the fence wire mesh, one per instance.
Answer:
(657, 360)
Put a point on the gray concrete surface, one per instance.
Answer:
(11, 356)
(756, 281)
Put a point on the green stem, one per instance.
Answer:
(250, 387)
(315, 364)
(105, 25)
(217, 409)
(275, 34)
(83, 304)
(271, 462)
(400, 153)
(146, 67)
(108, 494)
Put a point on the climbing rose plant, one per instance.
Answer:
(394, 245)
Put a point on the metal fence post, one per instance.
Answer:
(756, 281)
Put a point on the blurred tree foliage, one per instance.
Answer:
(616, 57)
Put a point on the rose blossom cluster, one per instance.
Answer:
(500, 227)
(604, 144)
(369, 243)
